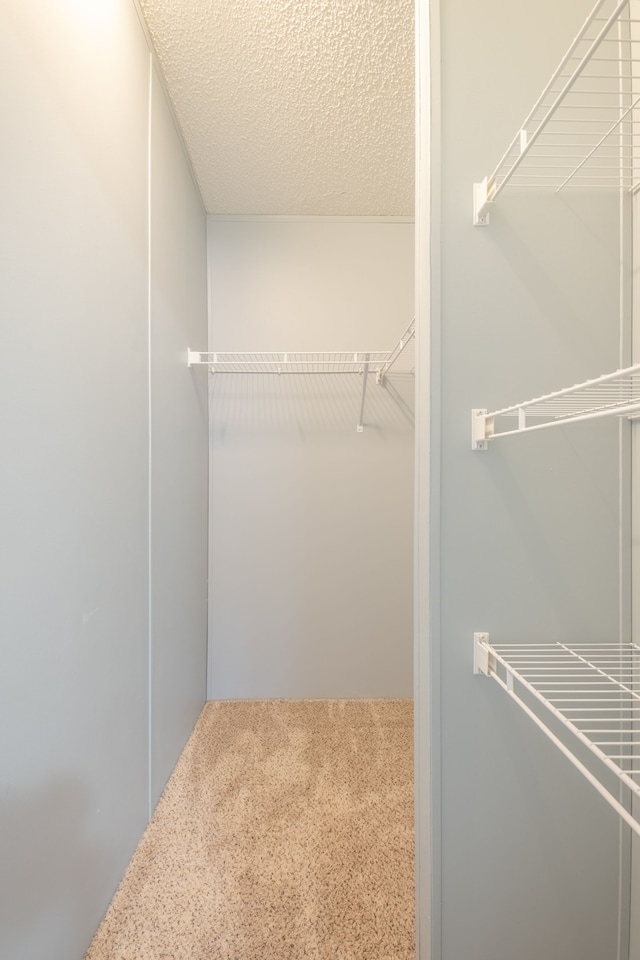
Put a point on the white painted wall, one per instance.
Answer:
(80, 568)
(311, 522)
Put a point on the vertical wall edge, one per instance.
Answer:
(427, 541)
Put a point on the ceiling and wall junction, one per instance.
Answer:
(293, 107)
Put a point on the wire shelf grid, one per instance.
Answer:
(292, 363)
(583, 129)
(590, 692)
(612, 394)
(400, 359)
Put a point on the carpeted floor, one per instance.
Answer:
(285, 832)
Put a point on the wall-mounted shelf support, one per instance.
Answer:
(399, 361)
(482, 654)
(481, 429)
(482, 200)
(580, 696)
(407, 338)
(365, 375)
(613, 394)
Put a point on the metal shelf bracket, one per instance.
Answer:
(482, 200)
(481, 429)
(481, 654)
(365, 374)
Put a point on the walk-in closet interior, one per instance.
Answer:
(221, 505)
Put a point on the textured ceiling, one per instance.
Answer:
(298, 107)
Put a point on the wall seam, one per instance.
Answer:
(209, 487)
(423, 784)
(149, 455)
(428, 455)
(624, 536)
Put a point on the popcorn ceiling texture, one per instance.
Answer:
(293, 107)
(285, 831)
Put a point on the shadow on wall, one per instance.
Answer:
(309, 405)
(48, 864)
(567, 319)
(555, 470)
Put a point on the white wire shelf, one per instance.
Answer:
(583, 129)
(612, 394)
(585, 698)
(381, 362)
(290, 363)
(400, 360)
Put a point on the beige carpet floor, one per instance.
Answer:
(285, 832)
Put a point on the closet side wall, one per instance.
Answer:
(179, 448)
(311, 522)
(529, 529)
(74, 434)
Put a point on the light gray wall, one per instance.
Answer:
(528, 548)
(311, 522)
(74, 436)
(179, 448)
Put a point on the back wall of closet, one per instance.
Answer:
(311, 522)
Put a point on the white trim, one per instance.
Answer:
(427, 493)
(285, 218)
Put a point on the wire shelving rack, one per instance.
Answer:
(612, 394)
(582, 131)
(291, 363)
(399, 360)
(584, 697)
